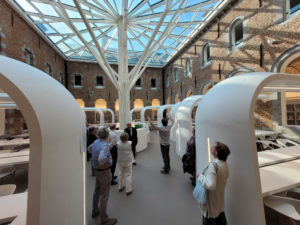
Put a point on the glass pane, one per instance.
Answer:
(99, 81)
(294, 5)
(153, 83)
(138, 82)
(144, 17)
(77, 80)
(239, 32)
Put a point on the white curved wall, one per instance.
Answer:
(132, 111)
(57, 140)
(144, 110)
(160, 112)
(100, 111)
(226, 114)
(175, 125)
(111, 112)
(183, 117)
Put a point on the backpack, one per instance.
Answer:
(188, 163)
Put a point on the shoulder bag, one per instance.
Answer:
(200, 193)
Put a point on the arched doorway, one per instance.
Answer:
(117, 109)
(138, 103)
(288, 62)
(188, 93)
(80, 102)
(101, 104)
(206, 86)
(155, 102)
(177, 98)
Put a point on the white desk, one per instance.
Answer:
(24, 152)
(14, 161)
(271, 157)
(142, 139)
(16, 141)
(279, 177)
(13, 206)
(264, 133)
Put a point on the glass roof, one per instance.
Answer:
(62, 21)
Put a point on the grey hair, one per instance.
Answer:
(102, 132)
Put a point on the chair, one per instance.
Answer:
(7, 189)
(286, 142)
(288, 207)
(271, 144)
(7, 171)
(294, 193)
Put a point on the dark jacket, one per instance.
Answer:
(132, 137)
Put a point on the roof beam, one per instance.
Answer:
(112, 74)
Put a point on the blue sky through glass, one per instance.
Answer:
(103, 17)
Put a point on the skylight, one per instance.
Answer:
(64, 26)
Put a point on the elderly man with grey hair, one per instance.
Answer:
(101, 162)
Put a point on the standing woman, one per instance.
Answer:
(214, 181)
(125, 160)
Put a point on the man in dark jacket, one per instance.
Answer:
(91, 137)
(132, 133)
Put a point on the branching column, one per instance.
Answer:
(123, 80)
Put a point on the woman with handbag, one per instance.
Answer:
(214, 180)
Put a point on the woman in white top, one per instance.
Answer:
(214, 180)
(125, 160)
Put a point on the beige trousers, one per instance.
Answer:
(125, 176)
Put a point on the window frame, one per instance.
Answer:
(188, 65)
(140, 86)
(233, 45)
(167, 80)
(50, 72)
(288, 9)
(176, 74)
(29, 53)
(61, 77)
(155, 82)
(99, 86)
(204, 59)
(79, 75)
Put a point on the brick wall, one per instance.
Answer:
(263, 26)
(17, 35)
(89, 92)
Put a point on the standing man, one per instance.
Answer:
(164, 139)
(91, 137)
(132, 133)
(113, 140)
(102, 161)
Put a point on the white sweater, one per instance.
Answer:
(214, 180)
(125, 155)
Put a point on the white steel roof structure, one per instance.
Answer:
(63, 22)
(127, 32)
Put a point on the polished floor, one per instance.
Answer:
(157, 199)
